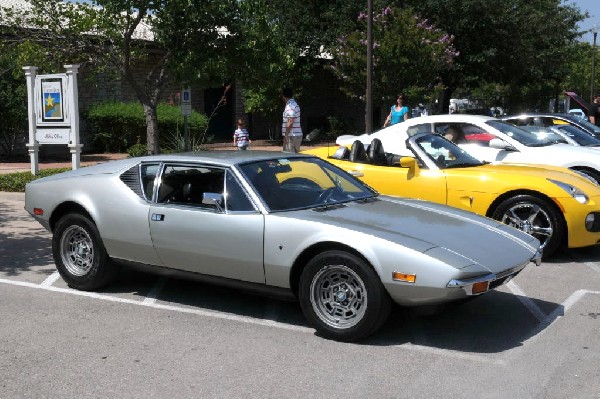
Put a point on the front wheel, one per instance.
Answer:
(534, 216)
(342, 296)
(79, 254)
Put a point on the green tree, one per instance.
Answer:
(181, 40)
(580, 70)
(13, 92)
(525, 45)
(279, 43)
(408, 55)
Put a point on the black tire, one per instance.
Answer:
(79, 253)
(362, 305)
(534, 216)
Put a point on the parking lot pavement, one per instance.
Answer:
(537, 336)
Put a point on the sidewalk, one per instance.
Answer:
(86, 159)
(23, 165)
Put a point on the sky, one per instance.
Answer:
(593, 8)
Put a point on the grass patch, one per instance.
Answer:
(15, 182)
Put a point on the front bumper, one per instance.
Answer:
(575, 216)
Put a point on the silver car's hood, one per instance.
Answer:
(425, 226)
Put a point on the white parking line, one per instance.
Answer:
(545, 321)
(153, 294)
(199, 312)
(558, 314)
(51, 279)
(526, 301)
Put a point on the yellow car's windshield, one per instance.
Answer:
(444, 153)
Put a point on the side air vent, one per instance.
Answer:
(131, 178)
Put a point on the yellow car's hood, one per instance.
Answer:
(526, 175)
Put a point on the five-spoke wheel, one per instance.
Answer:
(534, 216)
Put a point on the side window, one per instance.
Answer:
(476, 135)
(148, 172)
(186, 185)
(235, 196)
(423, 128)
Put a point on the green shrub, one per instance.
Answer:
(138, 150)
(117, 126)
(15, 182)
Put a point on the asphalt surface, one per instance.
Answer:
(146, 336)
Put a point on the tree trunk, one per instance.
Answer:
(444, 104)
(151, 128)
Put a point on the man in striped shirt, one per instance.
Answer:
(290, 127)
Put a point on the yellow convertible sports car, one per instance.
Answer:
(554, 204)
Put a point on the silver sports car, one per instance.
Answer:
(277, 222)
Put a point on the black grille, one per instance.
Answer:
(131, 178)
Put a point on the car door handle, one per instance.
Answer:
(356, 173)
(157, 217)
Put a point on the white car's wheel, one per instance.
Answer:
(342, 296)
(79, 254)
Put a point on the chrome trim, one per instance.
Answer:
(537, 258)
(461, 283)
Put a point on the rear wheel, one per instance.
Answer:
(342, 296)
(534, 216)
(79, 254)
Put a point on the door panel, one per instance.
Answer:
(221, 237)
(206, 241)
(402, 182)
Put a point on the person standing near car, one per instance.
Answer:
(290, 127)
(398, 112)
(594, 113)
(241, 138)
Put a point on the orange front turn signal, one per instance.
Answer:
(481, 287)
(38, 211)
(407, 278)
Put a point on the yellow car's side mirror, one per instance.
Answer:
(408, 162)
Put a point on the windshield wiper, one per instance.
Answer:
(327, 207)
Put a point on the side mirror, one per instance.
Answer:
(500, 144)
(213, 199)
(408, 162)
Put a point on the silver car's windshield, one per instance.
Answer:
(516, 133)
(444, 153)
(299, 183)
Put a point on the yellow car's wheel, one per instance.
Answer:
(534, 216)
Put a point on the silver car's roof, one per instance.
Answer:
(223, 157)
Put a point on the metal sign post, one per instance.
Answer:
(32, 145)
